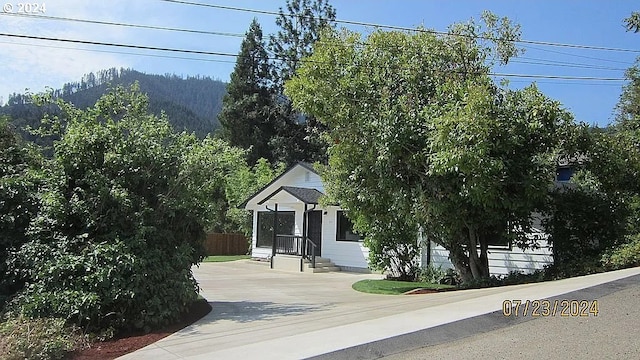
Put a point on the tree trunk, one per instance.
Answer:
(474, 261)
(478, 264)
(460, 261)
(484, 258)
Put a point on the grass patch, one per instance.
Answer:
(391, 287)
(225, 258)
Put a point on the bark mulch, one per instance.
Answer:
(127, 343)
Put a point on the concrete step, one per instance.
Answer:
(292, 263)
(322, 265)
(323, 269)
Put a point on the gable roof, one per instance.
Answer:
(303, 164)
(306, 195)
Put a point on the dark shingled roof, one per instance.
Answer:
(306, 195)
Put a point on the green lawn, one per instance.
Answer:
(390, 287)
(224, 258)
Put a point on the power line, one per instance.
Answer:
(559, 77)
(122, 53)
(124, 24)
(201, 52)
(576, 55)
(142, 47)
(568, 83)
(545, 62)
(586, 66)
(394, 27)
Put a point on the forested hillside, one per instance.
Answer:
(191, 103)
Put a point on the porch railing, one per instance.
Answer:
(296, 245)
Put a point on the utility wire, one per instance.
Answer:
(122, 53)
(394, 27)
(576, 55)
(45, 17)
(142, 47)
(201, 52)
(545, 62)
(216, 33)
(562, 77)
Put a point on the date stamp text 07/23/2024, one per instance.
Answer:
(546, 308)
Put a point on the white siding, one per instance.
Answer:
(342, 253)
(297, 176)
(502, 261)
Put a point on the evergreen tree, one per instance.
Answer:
(300, 26)
(247, 108)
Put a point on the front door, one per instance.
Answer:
(314, 229)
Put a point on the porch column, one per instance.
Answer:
(303, 251)
(275, 233)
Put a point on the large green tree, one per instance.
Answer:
(248, 116)
(122, 217)
(423, 137)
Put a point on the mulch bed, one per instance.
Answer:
(127, 343)
(427, 291)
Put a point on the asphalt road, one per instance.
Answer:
(613, 334)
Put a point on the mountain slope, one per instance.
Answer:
(191, 103)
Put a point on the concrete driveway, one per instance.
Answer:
(268, 314)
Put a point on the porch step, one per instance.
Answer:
(292, 263)
(323, 265)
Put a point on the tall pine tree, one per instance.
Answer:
(248, 110)
(300, 27)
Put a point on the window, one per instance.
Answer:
(499, 241)
(345, 229)
(286, 226)
(499, 238)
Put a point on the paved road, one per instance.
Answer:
(613, 334)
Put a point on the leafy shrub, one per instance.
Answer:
(121, 219)
(513, 278)
(576, 267)
(431, 274)
(451, 277)
(44, 338)
(583, 222)
(626, 255)
(19, 182)
(517, 277)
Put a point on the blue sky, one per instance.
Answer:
(36, 64)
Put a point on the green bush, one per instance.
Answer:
(624, 256)
(19, 182)
(38, 339)
(431, 274)
(576, 267)
(121, 219)
(513, 278)
(582, 223)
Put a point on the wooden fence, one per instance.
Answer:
(226, 244)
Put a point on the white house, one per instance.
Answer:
(305, 228)
(292, 199)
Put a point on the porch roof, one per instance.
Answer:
(306, 195)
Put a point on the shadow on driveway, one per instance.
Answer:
(248, 311)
